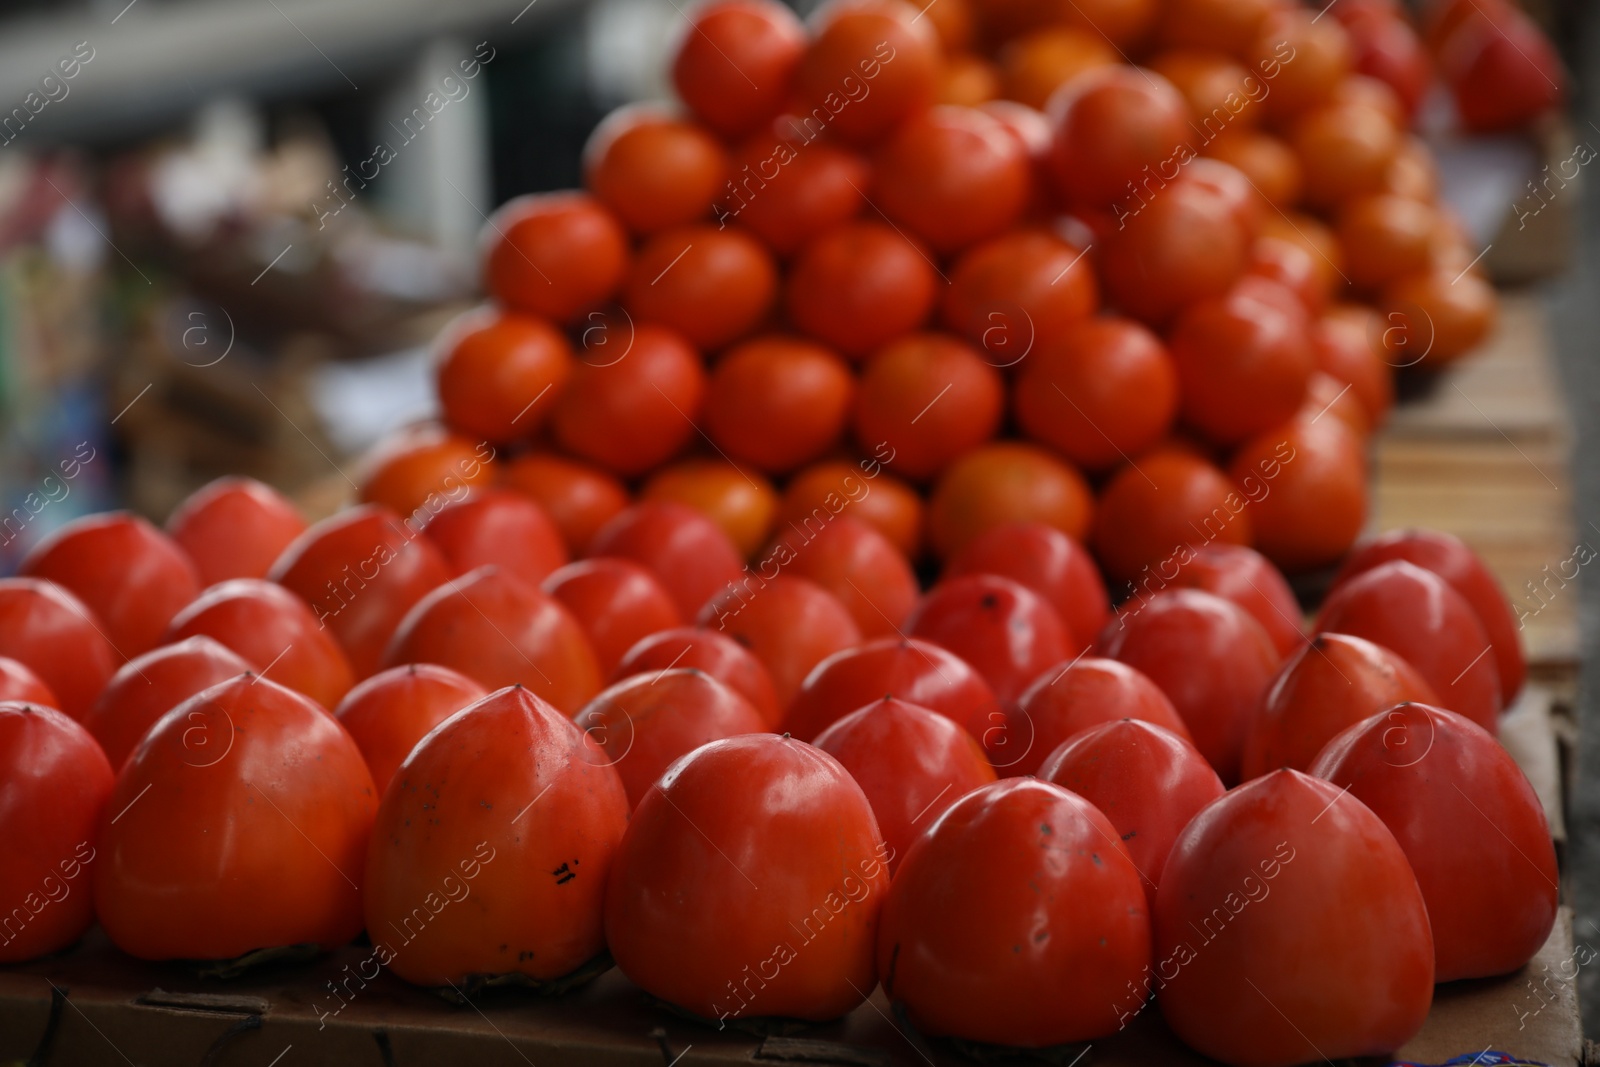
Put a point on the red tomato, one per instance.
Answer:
(1470, 824)
(855, 563)
(870, 65)
(554, 255)
(1114, 127)
(1211, 658)
(952, 176)
(911, 762)
(1333, 682)
(1419, 616)
(387, 714)
(19, 683)
(499, 527)
(1048, 562)
(805, 890)
(197, 867)
(617, 602)
(914, 671)
(275, 631)
(1246, 577)
(790, 623)
(130, 574)
(52, 633)
(498, 630)
(646, 722)
(733, 66)
(690, 555)
(57, 782)
(234, 528)
(1148, 781)
(1005, 630)
(1451, 559)
(361, 570)
(147, 687)
(1068, 699)
(1017, 919)
(1264, 879)
(509, 805)
(717, 655)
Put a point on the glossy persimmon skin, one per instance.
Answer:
(1470, 824)
(787, 188)
(1318, 504)
(912, 763)
(740, 501)
(1108, 127)
(1003, 482)
(931, 397)
(647, 721)
(553, 255)
(653, 170)
(711, 283)
(915, 671)
(387, 714)
(617, 602)
(1050, 563)
(722, 864)
(857, 564)
(859, 286)
(500, 527)
(873, 496)
(578, 497)
(1150, 517)
(1016, 293)
(778, 402)
(1016, 919)
(717, 654)
(733, 65)
(1347, 342)
(1287, 860)
(240, 823)
(1147, 780)
(132, 576)
(499, 373)
(57, 784)
(55, 635)
(1177, 246)
(790, 623)
(19, 683)
(509, 806)
(417, 470)
(1246, 577)
(147, 687)
(688, 553)
(1005, 630)
(234, 527)
(275, 631)
(881, 44)
(1068, 698)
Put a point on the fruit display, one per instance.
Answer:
(853, 552)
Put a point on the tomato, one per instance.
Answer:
(1346, 343)
(500, 373)
(361, 571)
(1227, 26)
(635, 412)
(952, 176)
(387, 714)
(1154, 509)
(911, 762)
(417, 470)
(690, 555)
(915, 671)
(1443, 312)
(1104, 390)
(1441, 786)
(778, 402)
(870, 65)
(1016, 919)
(1271, 165)
(684, 919)
(275, 631)
(1422, 618)
(498, 630)
(1345, 149)
(1035, 65)
(715, 654)
(1017, 293)
(1112, 124)
(888, 504)
(1311, 513)
(787, 187)
(712, 285)
(734, 64)
(507, 804)
(554, 255)
(132, 576)
(1173, 245)
(1246, 577)
(54, 635)
(1068, 699)
(234, 527)
(1148, 781)
(19, 684)
(1208, 655)
(790, 623)
(1502, 70)
(578, 498)
(617, 602)
(500, 527)
(1048, 562)
(644, 723)
(742, 503)
(1006, 481)
(195, 867)
(1264, 879)
(858, 565)
(1004, 629)
(147, 687)
(1218, 90)
(652, 170)
(859, 286)
(57, 783)
(1453, 560)
(931, 399)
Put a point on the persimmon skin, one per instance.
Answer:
(857, 564)
(1007, 481)
(416, 470)
(874, 496)
(734, 64)
(1014, 294)
(578, 498)
(713, 284)
(1151, 515)
(790, 623)
(55, 635)
(1318, 503)
(1069, 698)
(718, 655)
(234, 527)
(652, 170)
(688, 553)
(931, 397)
(915, 671)
(511, 806)
(740, 501)
(859, 286)
(553, 254)
(147, 687)
(617, 602)
(19, 683)
(778, 402)
(1246, 577)
(1050, 563)
(500, 527)
(387, 714)
(881, 44)
(1004, 629)
(499, 373)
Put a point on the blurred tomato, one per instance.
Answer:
(1048, 562)
(387, 714)
(52, 633)
(234, 527)
(907, 669)
(790, 623)
(617, 602)
(689, 554)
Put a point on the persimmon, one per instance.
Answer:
(1241, 574)
(788, 186)
(1153, 510)
(909, 669)
(790, 623)
(1345, 149)
(931, 397)
(870, 65)
(1035, 65)
(1270, 164)
(500, 527)
(778, 402)
(54, 635)
(18, 683)
(1313, 511)
(1112, 126)
(1069, 698)
(1347, 343)
(499, 374)
(1385, 237)
(234, 527)
(1302, 57)
(712, 285)
(1004, 629)
(734, 63)
(1227, 26)
(857, 564)
(967, 80)
(553, 255)
(1292, 266)
(1049, 562)
(617, 602)
(1017, 293)
(418, 470)
(880, 499)
(741, 502)
(716, 654)
(1435, 317)
(578, 498)
(387, 714)
(1175, 244)
(1220, 92)
(653, 170)
(859, 286)
(1007, 481)
(690, 555)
